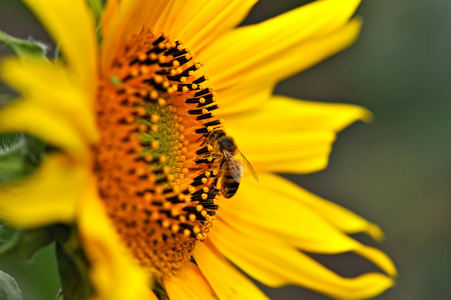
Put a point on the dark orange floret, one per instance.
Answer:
(154, 110)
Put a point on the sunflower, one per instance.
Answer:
(143, 117)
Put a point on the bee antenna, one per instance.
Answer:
(203, 136)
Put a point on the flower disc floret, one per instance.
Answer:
(153, 112)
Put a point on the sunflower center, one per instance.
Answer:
(156, 171)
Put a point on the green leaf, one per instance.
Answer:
(22, 47)
(19, 155)
(4, 99)
(23, 244)
(9, 290)
(72, 268)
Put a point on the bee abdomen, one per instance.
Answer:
(229, 186)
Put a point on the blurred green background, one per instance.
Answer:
(394, 171)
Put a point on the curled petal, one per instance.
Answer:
(277, 265)
(263, 210)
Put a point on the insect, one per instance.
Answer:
(230, 168)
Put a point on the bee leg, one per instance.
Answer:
(215, 182)
(207, 156)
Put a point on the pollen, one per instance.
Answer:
(156, 175)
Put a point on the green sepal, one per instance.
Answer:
(23, 47)
(9, 290)
(72, 266)
(160, 292)
(19, 155)
(97, 8)
(23, 244)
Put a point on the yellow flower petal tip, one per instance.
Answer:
(366, 116)
(141, 161)
(375, 232)
(375, 284)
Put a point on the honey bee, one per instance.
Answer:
(231, 166)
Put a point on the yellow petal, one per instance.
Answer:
(189, 283)
(241, 98)
(194, 22)
(52, 88)
(277, 265)
(232, 284)
(198, 22)
(71, 24)
(113, 272)
(299, 58)
(51, 127)
(255, 42)
(297, 135)
(109, 15)
(48, 196)
(282, 114)
(287, 152)
(375, 255)
(338, 216)
(262, 65)
(121, 20)
(261, 209)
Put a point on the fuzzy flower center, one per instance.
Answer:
(156, 171)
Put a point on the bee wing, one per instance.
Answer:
(247, 164)
(235, 167)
